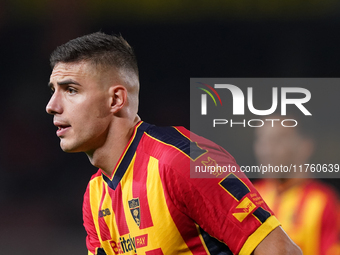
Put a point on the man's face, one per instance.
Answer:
(81, 106)
(277, 145)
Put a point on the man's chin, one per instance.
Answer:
(68, 148)
(69, 151)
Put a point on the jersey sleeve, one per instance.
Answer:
(227, 207)
(92, 241)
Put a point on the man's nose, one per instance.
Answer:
(54, 105)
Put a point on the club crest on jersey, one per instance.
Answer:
(135, 210)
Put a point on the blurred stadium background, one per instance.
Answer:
(41, 187)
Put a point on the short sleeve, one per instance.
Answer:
(227, 207)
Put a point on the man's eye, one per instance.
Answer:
(71, 90)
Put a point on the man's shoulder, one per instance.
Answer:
(178, 147)
(180, 138)
(161, 142)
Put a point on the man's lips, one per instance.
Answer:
(62, 128)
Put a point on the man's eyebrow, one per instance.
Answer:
(68, 81)
(65, 82)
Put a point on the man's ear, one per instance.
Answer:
(118, 97)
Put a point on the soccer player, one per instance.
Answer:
(307, 208)
(142, 199)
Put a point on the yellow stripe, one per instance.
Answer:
(268, 192)
(126, 186)
(247, 207)
(254, 239)
(95, 194)
(127, 195)
(312, 218)
(285, 213)
(110, 221)
(202, 240)
(164, 227)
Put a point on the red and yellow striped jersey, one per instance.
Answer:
(150, 205)
(308, 211)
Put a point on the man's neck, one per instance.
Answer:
(107, 156)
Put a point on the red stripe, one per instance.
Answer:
(92, 237)
(117, 205)
(139, 189)
(184, 224)
(154, 252)
(104, 229)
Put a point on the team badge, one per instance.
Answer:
(135, 210)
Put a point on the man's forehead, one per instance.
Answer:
(70, 69)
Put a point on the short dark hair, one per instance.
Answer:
(98, 48)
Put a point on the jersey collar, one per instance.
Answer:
(127, 155)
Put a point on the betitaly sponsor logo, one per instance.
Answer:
(129, 244)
